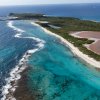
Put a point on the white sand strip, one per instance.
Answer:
(74, 49)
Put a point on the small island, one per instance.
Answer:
(82, 37)
(67, 27)
(50, 50)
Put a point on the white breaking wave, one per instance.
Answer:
(20, 31)
(11, 82)
(10, 24)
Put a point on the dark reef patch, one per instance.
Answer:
(22, 92)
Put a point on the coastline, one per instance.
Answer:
(17, 76)
(75, 50)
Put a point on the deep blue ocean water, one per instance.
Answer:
(56, 73)
(83, 11)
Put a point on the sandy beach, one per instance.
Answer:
(91, 35)
(74, 49)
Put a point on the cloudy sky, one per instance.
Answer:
(30, 2)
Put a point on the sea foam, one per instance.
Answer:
(11, 82)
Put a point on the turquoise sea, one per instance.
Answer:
(56, 73)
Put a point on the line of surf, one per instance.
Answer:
(11, 82)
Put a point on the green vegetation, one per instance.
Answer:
(73, 24)
(66, 24)
(25, 16)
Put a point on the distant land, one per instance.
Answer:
(66, 26)
(50, 52)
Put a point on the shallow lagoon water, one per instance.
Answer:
(56, 74)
